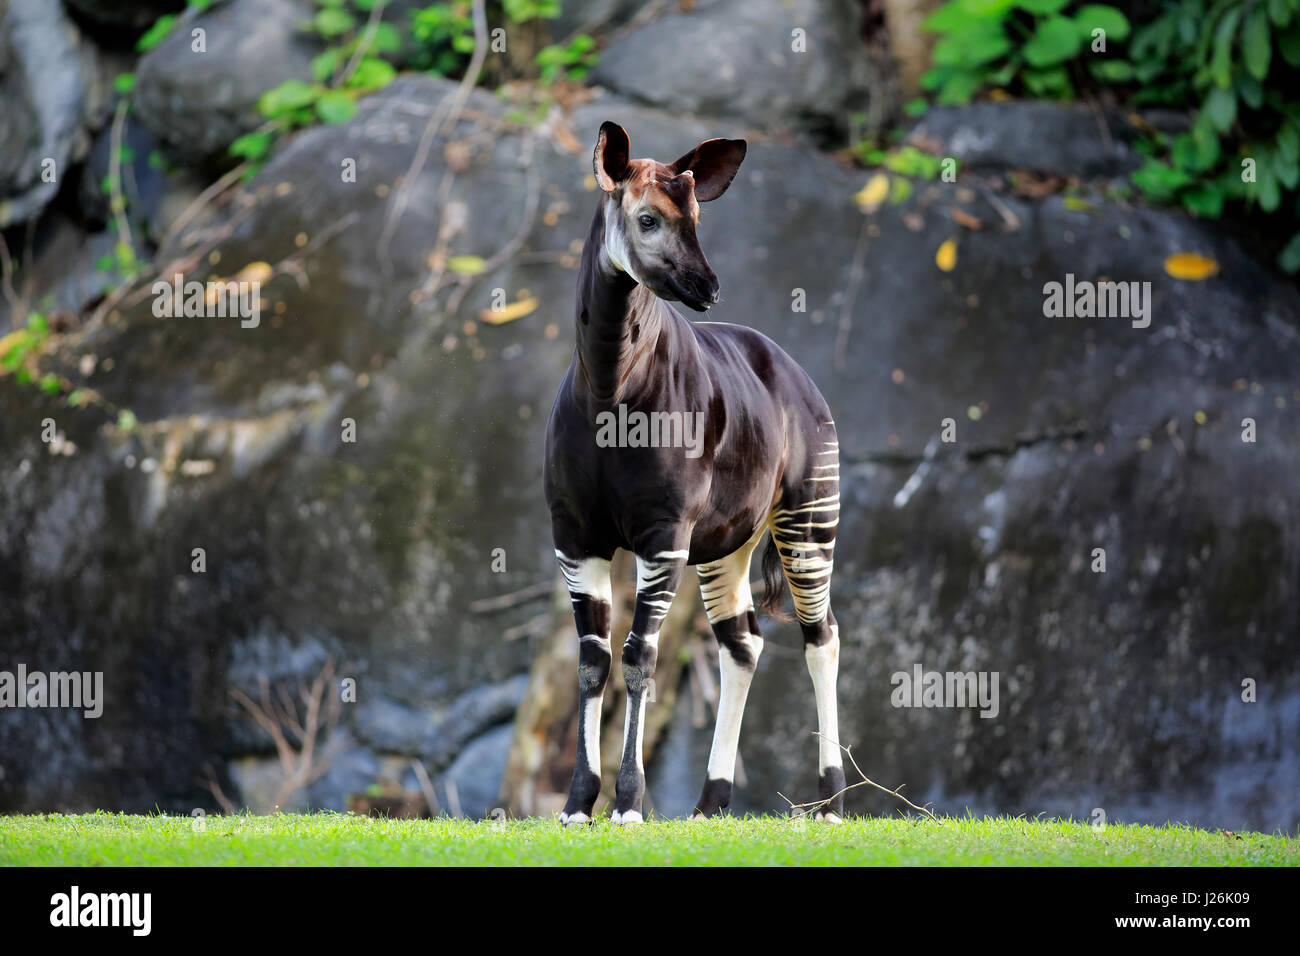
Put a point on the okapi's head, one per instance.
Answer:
(651, 210)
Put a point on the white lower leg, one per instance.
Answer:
(735, 681)
(823, 666)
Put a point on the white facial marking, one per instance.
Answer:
(616, 241)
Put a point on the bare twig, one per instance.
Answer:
(279, 717)
(117, 202)
(202, 199)
(531, 593)
(210, 782)
(815, 805)
(426, 785)
(453, 105)
(851, 294)
(363, 45)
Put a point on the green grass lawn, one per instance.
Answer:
(330, 839)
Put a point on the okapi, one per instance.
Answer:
(769, 462)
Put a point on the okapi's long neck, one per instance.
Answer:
(617, 320)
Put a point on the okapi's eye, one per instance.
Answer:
(647, 221)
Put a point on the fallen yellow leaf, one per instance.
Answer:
(1191, 266)
(875, 192)
(515, 310)
(466, 265)
(946, 257)
(254, 272)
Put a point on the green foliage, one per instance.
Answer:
(444, 36)
(18, 349)
(571, 61)
(1036, 47)
(1228, 60)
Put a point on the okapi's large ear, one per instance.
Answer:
(611, 156)
(714, 164)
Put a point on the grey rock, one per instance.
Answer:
(1066, 140)
(197, 104)
(48, 109)
(478, 770)
(735, 58)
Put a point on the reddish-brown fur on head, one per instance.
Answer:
(652, 209)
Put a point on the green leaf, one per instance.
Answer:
(372, 73)
(915, 107)
(288, 96)
(958, 87)
(124, 84)
(1289, 260)
(1251, 93)
(49, 383)
(1288, 44)
(1280, 11)
(1055, 41)
(948, 18)
(1042, 6)
(335, 107)
(1053, 83)
(1221, 108)
(251, 146)
(333, 22)
(1221, 64)
(1205, 200)
(1255, 46)
(1092, 16)
(982, 43)
(156, 33)
(1111, 71)
(324, 64)
(126, 420)
(387, 38)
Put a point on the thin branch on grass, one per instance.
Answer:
(815, 805)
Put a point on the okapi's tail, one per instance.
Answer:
(773, 582)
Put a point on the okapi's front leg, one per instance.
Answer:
(657, 578)
(588, 581)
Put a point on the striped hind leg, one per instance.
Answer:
(729, 604)
(803, 527)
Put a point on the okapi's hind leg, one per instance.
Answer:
(589, 588)
(724, 585)
(803, 526)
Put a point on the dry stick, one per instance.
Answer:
(363, 44)
(17, 307)
(813, 806)
(218, 794)
(855, 279)
(431, 129)
(516, 241)
(426, 785)
(531, 593)
(205, 197)
(117, 201)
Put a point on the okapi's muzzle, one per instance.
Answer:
(696, 289)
